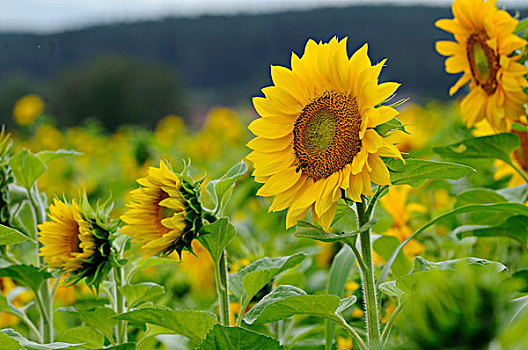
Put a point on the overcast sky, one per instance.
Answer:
(57, 15)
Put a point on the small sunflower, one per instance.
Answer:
(165, 214)
(77, 241)
(316, 134)
(484, 50)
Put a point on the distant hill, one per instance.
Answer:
(226, 59)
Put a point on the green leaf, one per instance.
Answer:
(9, 235)
(6, 306)
(515, 227)
(337, 277)
(387, 128)
(508, 208)
(248, 281)
(421, 266)
(498, 146)
(216, 237)
(137, 294)
(190, 323)
(9, 343)
(48, 156)
(307, 230)
(346, 303)
(27, 168)
(236, 338)
(517, 194)
(99, 318)
(28, 275)
(149, 262)
(416, 171)
(89, 337)
(31, 345)
(220, 190)
(521, 26)
(390, 289)
(480, 196)
(287, 301)
(124, 346)
(384, 246)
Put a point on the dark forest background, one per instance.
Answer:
(139, 72)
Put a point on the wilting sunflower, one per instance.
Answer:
(484, 50)
(316, 134)
(164, 213)
(77, 240)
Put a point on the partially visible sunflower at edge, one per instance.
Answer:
(164, 213)
(77, 240)
(486, 51)
(316, 134)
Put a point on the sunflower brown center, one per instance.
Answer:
(326, 134)
(483, 62)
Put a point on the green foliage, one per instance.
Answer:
(287, 301)
(27, 168)
(216, 236)
(85, 335)
(515, 227)
(99, 318)
(220, 190)
(387, 128)
(28, 275)
(416, 171)
(48, 156)
(137, 294)
(385, 246)
(498, 146)
(9, 235)
(237, 338)
(248, 281)
(31, 345)
(307, 230)
(190, 323)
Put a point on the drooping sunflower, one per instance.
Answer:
(77, 241)
(317, 135)
(165, 214)
(485, 51)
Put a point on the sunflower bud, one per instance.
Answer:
(165, 214)
(77, 240)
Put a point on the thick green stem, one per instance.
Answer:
(119, 305)
(369, 287)
(221, 289)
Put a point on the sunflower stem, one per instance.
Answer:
(520, 171)
(119, 305)
(221, 289)
(367, 277)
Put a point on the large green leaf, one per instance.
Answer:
(28, 275)
(9, 343)
(287, 301)
(136, 294)
(190, 323)
(508, 208)
(9, 235)
(236, 338)
(337, 277)
(27, 167)
(384, 246)
(307, 230)
(498, 146)
(248, 281)
(220, 190)
(421, 267)
(515, 227)
(48, 156)
(99, 318)
(416, 171)
(31, 345)
(87, 336)
(216, 237)
(481, 196)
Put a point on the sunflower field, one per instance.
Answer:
(332, 214)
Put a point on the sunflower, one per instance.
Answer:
(484, 50)
(316, 134)
(76, 241)
(164, 213)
